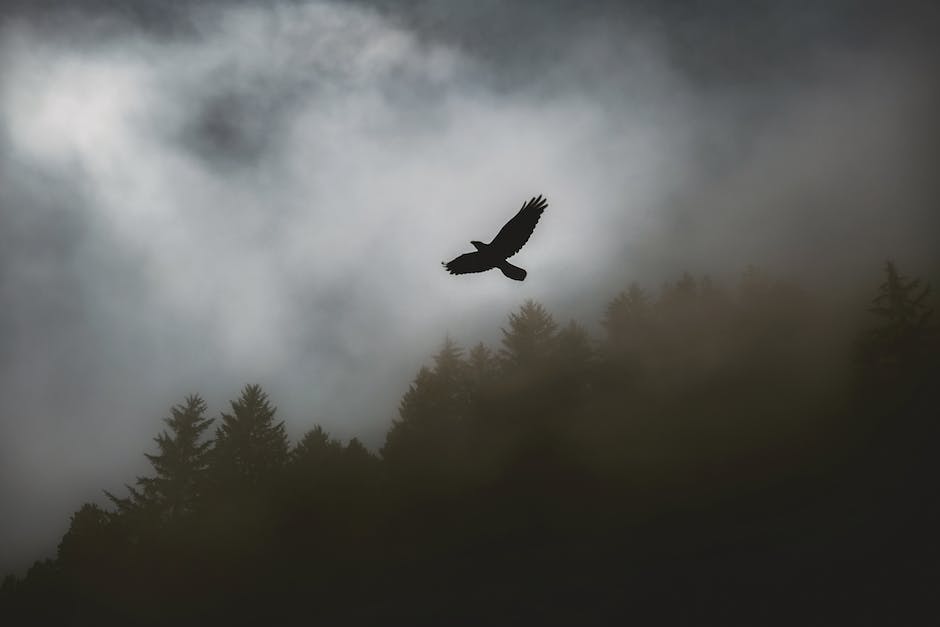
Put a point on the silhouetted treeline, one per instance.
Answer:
(722, 455)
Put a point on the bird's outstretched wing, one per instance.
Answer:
(467, 263)
(516, 232)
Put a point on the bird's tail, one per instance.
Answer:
(513, 272)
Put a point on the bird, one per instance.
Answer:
(510, 239)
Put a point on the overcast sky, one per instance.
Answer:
(196, 198)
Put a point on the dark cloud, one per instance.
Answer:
(231, 128)
(194, 197)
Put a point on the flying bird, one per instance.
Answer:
(507, 243)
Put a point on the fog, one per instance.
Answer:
(264, 193)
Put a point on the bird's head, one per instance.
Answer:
(478, 245)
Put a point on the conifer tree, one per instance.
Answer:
(183, 458)
(359, 463)
(906, 326)
(432, 414)
(450, 374)
(627, 318)
(573, 364)
(315, 460)
(88, 537)
(180, 464)
(482, 374)
(357, 452)
(530, 339)
(481, 365)
(414, 412)
(573, 351)
(250, 447)
(315, 449)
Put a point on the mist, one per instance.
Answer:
(264, 193)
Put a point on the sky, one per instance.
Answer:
(195, 197)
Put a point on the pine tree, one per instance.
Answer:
(432, 415)
(530, 340)
(180, 465)
(482, 374)
(627, 318)
(315, 449)
(88, 538)
(573, 351)
(356, 452)
(183, 458)
(450, 374)
(314, 470)
(360, 465)
(481, 364)
(414, 412)
(314, 460)
(250, 447)
(906, 328)
(902, 349)
(573, 364)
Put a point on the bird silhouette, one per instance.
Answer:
(510, 239)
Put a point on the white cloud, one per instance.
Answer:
(386, 158)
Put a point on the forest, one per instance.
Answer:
(718, 455)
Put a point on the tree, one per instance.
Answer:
(316, 450)
(906, 329)
(250, 447)
(180, 464)
(481, 365)
(325, 478)
(482, 374)
(627, 319)
(183, 459)
(359, 465)
(433, 416)
(530, 340)
(573, 352)
(89, 537)
(357, 453)
(450, 378)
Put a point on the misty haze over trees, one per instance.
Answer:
(721, 454)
